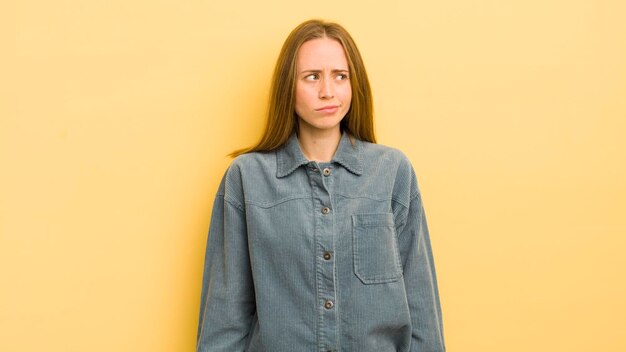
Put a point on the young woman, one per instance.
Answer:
(318, 240)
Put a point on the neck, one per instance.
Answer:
(318, 145)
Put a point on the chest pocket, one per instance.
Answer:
(375, 248)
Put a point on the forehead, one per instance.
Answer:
(322, 53)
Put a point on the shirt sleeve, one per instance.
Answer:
(420, 279)
(227, 306)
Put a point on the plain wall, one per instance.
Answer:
(116, 118)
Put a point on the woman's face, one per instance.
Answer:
(323, 92)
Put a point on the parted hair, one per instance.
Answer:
(282, 120)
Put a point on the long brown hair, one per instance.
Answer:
(281, 119)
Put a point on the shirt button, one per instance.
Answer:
(329, 304)
(325, 210)
(327, 255)
(326, 172)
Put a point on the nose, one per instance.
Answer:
(326, 89)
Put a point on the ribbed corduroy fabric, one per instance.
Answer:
(305, 256)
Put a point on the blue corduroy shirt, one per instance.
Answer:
(307, 256)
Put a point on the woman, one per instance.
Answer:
(318, 240)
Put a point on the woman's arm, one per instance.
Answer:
(420, 280)
(227, 305)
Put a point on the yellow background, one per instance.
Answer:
(116, 116)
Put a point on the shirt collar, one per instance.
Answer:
(290, 156)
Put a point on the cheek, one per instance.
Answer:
(302, 95)
(347, 94)
(302, 103)
(299, 97)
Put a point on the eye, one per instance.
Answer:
(311, 77)
(342, 76)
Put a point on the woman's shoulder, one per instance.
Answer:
(395, 164)
(253, 160)
(241, 168)
(382, 152)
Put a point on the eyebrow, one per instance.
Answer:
(318, 71)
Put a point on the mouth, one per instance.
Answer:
(328, 108)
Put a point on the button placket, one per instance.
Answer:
(324, 243)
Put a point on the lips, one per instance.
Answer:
(328, 108)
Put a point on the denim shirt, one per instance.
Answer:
(309, 256)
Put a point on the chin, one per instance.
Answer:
(326, 127)
(321, 125)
